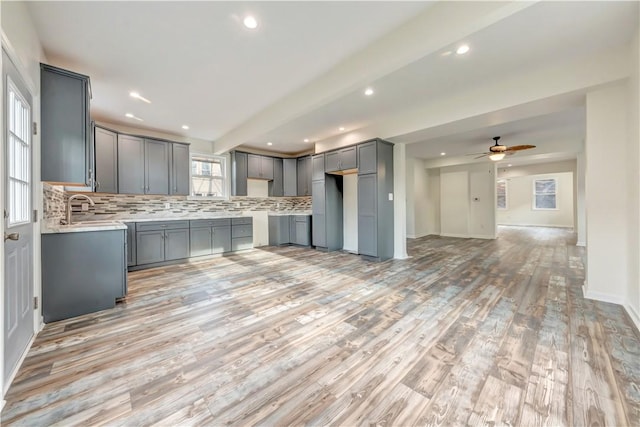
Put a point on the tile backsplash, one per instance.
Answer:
(121, 206)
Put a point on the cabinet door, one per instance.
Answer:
(302, 230)
(200, 241)
(239, 174)
(319, 230)
(276, 187)
(65, 126)
(302, 170)
(176, 244)
(367, 158)
(331, 161)
(149, 247)
(348, 158)
(290, 177)
(367, 215)
(254, 166)
(180, 164)
(131, 243)
(317, 167)
(221, 239)
(156, 155)
(106, 163)
(130, 165)
(292, 229)
(318, 197)
(266, 166)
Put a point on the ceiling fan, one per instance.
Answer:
(498, 151)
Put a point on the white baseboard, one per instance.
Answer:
(468, 236)
(9, 380)
(601, 296)
(635, 317)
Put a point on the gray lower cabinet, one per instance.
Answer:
(65, 126)
(290, 229)
(290, 177)
(131, 243)
(279, 230)
(88, 281)
(326, 208)
(180, 165)
(238, 173)
(106, 160)
(161, 241)
(375, 210)
(241, 233)
(210, 237)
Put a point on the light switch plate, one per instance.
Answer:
(390, 196)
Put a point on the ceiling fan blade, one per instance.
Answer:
(520, 147)
(477, 154)
(482, 155)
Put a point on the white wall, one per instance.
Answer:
(606, 194)
(467, 200)
(520, 202)
(633, 178)
(350, 213)
(581, 210)
(422, 215)
(433, 201)
(21, 42)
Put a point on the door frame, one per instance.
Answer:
(36, 204)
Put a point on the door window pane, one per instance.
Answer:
(18, 156)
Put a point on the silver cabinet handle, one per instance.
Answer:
(11, 236)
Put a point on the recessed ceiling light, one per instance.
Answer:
(250, 22)
(368, 91)
(131, 116)
(136, 95)
(509, 165)
(462, 49)
(306, 140)
(443, 153)
(269, 143)
(185, 127)
(341, 128)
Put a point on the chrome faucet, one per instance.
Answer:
(76, 197)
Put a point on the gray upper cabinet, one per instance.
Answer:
(259, 167)
(238, 174)
(156, 164)
(367, 157)
(304, 176)
(143, 165)
(180, 165)
(276, 187)
(65, 126)
(106, 161)
(131, 176)
(341, 160)
(317, 167)
(290, 174)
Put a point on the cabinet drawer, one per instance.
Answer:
(219, 222)
(241, 243)
(161, 225)
(241, 231)
(242, 220)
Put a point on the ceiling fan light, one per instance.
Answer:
(497, 156)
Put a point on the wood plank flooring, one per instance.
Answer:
(465, 332)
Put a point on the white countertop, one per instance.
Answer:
(117, 222)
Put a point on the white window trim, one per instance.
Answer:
(225, 173)
(533, 199)
(506, 195)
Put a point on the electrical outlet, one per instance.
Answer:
(85, 207)
(167, 205)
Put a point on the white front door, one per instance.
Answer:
(18, 236)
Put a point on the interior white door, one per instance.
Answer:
(18, 237)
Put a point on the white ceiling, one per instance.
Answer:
(200, 67)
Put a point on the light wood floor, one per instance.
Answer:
(464, 332)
